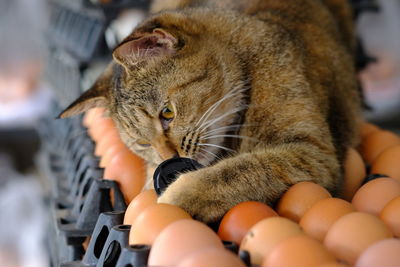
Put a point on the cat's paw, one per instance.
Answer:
(194, 196)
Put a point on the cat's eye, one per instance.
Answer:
(143, 143)
(167, 113)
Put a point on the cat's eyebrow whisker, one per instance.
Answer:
(229, 135)
(218, 146)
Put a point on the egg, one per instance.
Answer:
(376, 143)
(211, 257)
(354, 174)
(261, 239)
(299, 251)
(351, 234)
(390, 215)
(128, 170)
(98, 130)
(238, 220)
(367, 129)
(92, 115)
(299, 198)
(321, 216)
(374, 195)
(383, 253)
(152, 220)
(110, 137)
(388, 163)
(180, 239)
(138, 204)
(111, 151)
(333, 264)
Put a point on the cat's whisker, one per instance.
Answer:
(237, 90)
(148, 183)
(224, 128)
(231, 136)
(217, 119)
(209, 152)
(216, 105)
(218, 146)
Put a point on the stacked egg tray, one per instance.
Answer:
(79, 196)
(77, 39)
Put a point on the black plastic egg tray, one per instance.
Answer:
(80, 203)
(77, 29)
(76, 39)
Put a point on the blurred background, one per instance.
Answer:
(52, 50)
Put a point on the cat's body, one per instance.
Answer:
(276, 74)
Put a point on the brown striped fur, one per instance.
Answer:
(286, 71)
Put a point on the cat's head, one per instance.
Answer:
(172, 89)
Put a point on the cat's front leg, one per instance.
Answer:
(207, 194)
(192, 193)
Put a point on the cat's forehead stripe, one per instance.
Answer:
(195, 79)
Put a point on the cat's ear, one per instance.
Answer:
(96, 96)
(151, 45)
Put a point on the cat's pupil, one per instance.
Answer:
(167, 113)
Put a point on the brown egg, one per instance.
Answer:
(376, 143)
(98, 130)
(299, 251)
(261, 239)
(333, 264)
(367, 129)
(385, 253)
(138, 204)
(128, 170)
(390, 215)
(353, 233)
(88, 117)
(322, 215)
(179, 239)
(110, 137)
(152, 220)
(111, 151)
(388, 163)
(92, 115)
(211, 257)
(299, 198)
(238, 220)
(374, 195)
(354, 174)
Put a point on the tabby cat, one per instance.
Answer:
(261, 92)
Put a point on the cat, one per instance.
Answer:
(263, 93)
